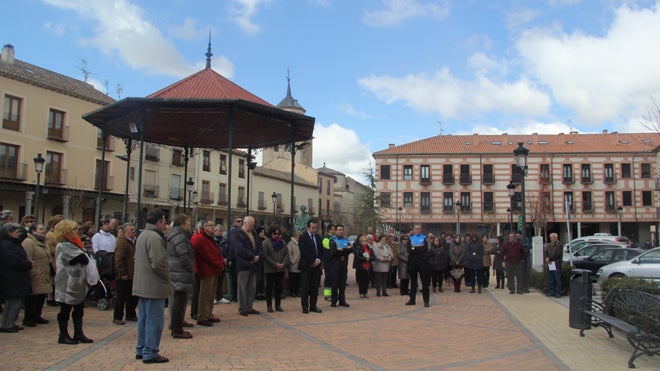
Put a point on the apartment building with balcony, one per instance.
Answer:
(459, 182)
(42, 114)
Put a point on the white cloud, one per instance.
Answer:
(600, 78)
(339, 148)
(189, 30)
(397, 11)
(452, 97)
(350, 110)
(57, 29)
(243, 11)
(521, 17)
(527, 127)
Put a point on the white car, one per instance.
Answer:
(646, 265)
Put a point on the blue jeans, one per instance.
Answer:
(554, 282)
(151, 314)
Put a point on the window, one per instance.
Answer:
(586, 173)
(222, 194)
(261, 201)
(425, 173)
(320, 186)
(448, 202)
(516, 202)
(407, 199)
(626, 198)
(425, 202)
(102, 178)
(175, 187)
(609, 201)
(56, 129)
(54, 165)
(131, 174)
(586, 202)
(177, 157)
(206, 160)
(447, 174)
(241, 197)
(110, 145)
(9, 166)
(11, 117)
(151, 152)
(647, 198)
(206, 196)
(489, 178)
(609, 173)
(241, 168)
(407, 172)
(568, 201)
(223, 164)
(466, 177)
(465, 202)
(568, 173)
(625, 171)
(327, 207)
(384, 172)
(327, 188)
(489, 205)
(545, 201)
(149, 188)
(516, 174)
(646, 171)
(385, 199)
(544, 173)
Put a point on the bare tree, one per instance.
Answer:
(651, 120)
(539, 211)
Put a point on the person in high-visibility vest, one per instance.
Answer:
(328, 267)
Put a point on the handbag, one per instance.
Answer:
(92, 272)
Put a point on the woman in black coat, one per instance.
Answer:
(15, 268)
(363, 256)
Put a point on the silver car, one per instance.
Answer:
(646, 265)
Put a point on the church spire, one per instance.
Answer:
(208, 52)
(289, 103)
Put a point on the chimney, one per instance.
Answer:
(604, 131)
(8, 54)
(391, 145)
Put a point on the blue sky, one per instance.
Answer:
(372, 72)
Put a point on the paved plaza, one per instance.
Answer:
(460, 331)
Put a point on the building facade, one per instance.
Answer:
(459, 183)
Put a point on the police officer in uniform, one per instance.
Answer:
(340, 252)
(328, 266)
(418, 255)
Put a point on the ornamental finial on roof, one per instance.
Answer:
(208, 52)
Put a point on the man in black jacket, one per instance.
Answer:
(311, 247)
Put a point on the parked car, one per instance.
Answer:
(577, 242)
(645, 265)
(604, 257)
(587, 248)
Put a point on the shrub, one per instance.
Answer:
(639, 284)
(540, 281)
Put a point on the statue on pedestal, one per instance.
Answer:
(302, 219)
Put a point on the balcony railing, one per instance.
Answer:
(586, 180)
(466, 179)
(55, 176)
(109, 143)
(489, 179)
(448, 209)
(222, 200)
(587, 207)
(177, 159)
(61, 135)
(176, 193)
(13, 171)
(152, 153)
(240, 202)
(425, 209)
(447, 178)
(108, 183)
(206, 198)
(466, 209)
(610, 208)
(311, 210)
(261, 205)
(150, 191)
(610, 180)
(279, 207)
(489, 207)
(545, 179)
(425, 181)
(568, 180)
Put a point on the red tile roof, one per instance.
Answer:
(207, 84)
(536, 143)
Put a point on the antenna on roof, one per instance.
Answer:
(119, 89)
(86, 72)
(570, 125)
(208, 52)
(440, 124)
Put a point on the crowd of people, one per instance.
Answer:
(172, 263)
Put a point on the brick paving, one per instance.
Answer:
(460, 331)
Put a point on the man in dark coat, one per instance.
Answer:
(311, 256)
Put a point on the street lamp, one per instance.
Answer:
(619, 209)
(38, 168)
(511, 189)
(510, 215)
(274, 198)
(520, 155)
(189, 188)
(458, 222)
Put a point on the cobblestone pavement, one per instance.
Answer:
(460, 331)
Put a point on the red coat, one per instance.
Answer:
(208, 258)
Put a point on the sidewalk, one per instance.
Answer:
(460, 331)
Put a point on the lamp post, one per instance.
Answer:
(458, 221)
(38, 168)
(274, 198)
(510, 215)
(194, 201)
(511, 190)
(398, 219)
(44, 191)
(619, 210)
(520, 155)
(189, 188)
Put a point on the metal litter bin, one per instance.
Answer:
(579, 297)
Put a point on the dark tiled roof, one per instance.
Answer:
(207, 84)
(281, 175)
(536, 143)
(41, 77)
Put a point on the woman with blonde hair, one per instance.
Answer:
(70, 281)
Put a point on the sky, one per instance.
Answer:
(371, 72)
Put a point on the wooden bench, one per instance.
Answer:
(636, 313)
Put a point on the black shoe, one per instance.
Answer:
(512, 292)
(305, 310)
(386, 294)
(253, 311)
(131, 319)
(315, 310)
(278, 309)
(42, 321)
(205, 323)
(334, 305)
(270, 310)
(138, 356)
(29, 324)
(214, 320)
(83, 339)
(19, 328)
(8, 330)
(410, 302)
(158, 359)
(243, 313)
(66, 340)
(345, 305)
(426, 305)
